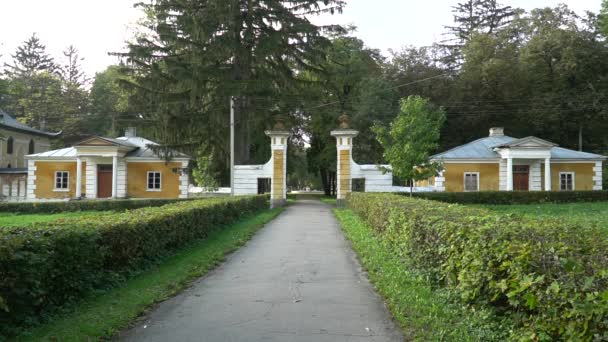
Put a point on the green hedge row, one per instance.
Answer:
(82, 205)
(514, 197)
(547, 278)
(42, 268)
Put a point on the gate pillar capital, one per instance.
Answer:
(344, 144)
(278, 147)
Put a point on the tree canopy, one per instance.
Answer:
(411, 137)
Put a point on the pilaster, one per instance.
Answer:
(344, 144)
(279, 137)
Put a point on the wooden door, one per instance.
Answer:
(521, 178)
(104, 181)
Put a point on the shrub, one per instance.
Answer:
(44, 267)
(514, 197)
(548, 277)
(82, 205)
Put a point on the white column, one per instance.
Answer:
(548, 174)
(114, 176)
(509, 174)
(78, 177)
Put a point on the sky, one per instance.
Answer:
(96, 27)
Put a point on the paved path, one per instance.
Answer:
(296, 280)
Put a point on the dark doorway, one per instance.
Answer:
(264, 185)
(358, 185)
(521, 178)
(104, 181)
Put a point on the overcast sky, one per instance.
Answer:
(97, 27)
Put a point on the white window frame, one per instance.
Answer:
(67, 188)
(160, 181)
(464, 181)
(573, 174)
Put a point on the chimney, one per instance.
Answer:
(131, 132)
(497, 131)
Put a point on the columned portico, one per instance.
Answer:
(526, 155)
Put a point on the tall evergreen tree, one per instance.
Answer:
(71, 70)
(75, 96)
(472, 17)
(197, 54)
(30, 58)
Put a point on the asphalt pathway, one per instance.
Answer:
(296, 280)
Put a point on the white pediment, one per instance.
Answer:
(530, 142)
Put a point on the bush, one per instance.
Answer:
(82, 205)
(548, 277)
(44, 267)
(514, 197)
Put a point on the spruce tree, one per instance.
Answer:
(71, 71)
(199, 53)
(472, 17)
(30, 58)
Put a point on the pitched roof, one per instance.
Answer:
(478, 149)
(102, 141)
(144, 148)
(140, 148)
(484, 149)
(9, 123)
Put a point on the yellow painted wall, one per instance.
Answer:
(45, 179)
(583, 175)
(488, 176)
(344, 171)
(277, 186)
(137, 180)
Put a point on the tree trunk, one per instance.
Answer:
(325, 182)
(333, 177)
(580, 138)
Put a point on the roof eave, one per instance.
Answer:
(33, 132)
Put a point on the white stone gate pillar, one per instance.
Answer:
(344, 144)
(278, 146)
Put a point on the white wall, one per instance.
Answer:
(31, 180)
(375, 179)
(597, 178)
(246, 177)
(184, 181)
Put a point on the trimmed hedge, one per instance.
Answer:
(44, 267)
(83, 205)
(514, 197)
(549, 278)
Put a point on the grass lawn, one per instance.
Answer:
(328, 200)
(595, 213)
(423, 314)
(100, 316)
(11, 220)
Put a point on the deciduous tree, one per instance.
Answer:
(411, 137)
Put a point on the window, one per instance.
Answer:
(9, 145)
(566, 181)
(32, 148)
(471, 181)
(154, 181)
(62, 180)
